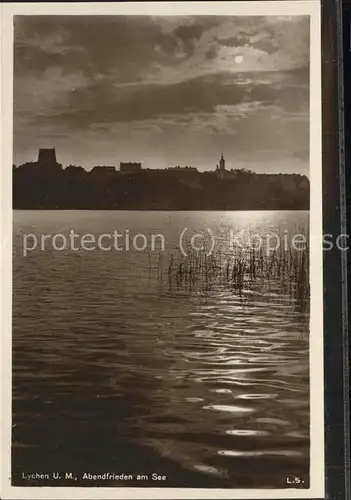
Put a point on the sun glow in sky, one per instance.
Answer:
(163, 90)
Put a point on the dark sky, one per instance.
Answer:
(163, 90)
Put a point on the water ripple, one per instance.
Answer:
(110, 367)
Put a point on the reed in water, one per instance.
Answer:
(240, 269)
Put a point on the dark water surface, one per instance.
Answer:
(114, 371)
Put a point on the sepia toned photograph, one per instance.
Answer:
(163, 193)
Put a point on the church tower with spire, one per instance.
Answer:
(221, 171)
(222, 163)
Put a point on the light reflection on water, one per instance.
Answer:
(114, 371)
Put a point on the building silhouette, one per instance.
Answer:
(103, 170)
(130, 167)
(180, 170)
(44, 184)
(47, 161)
(47, 156)
(222, 163)
(221, 172)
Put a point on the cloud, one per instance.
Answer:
(265, 44)
(124, 80)
(78, 102)
(41, 98)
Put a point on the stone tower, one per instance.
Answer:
(47, 156)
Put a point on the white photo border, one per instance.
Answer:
(310, 8)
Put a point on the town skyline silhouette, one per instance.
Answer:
(46, 184)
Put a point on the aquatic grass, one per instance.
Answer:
(239, 269)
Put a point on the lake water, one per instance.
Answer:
(118, 370)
